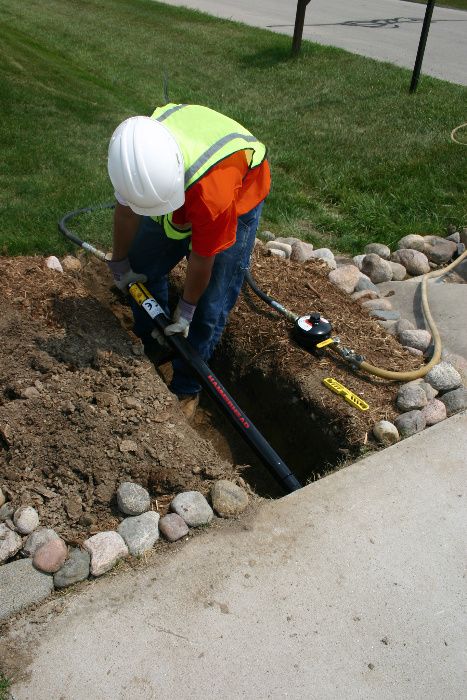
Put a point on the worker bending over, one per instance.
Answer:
(189, 182)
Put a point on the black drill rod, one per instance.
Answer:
(219, 393)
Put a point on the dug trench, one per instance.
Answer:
(83, 409)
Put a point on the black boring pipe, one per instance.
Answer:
(208, 379)
(421, 45)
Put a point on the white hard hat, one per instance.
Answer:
(145, 166)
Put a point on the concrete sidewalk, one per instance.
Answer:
(351, 588)
(388, 30)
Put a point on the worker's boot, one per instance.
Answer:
(189, 404)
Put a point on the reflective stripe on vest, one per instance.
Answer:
(170, 229)
(205, 138)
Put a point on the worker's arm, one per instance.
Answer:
(196, 281)
(126, 224)
(197, 277)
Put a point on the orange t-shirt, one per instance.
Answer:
(214, 203)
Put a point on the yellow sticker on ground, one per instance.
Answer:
(348, 395)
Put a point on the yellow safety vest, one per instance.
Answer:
(205, 138)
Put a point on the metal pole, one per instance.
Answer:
(421, 46)
(298, 29)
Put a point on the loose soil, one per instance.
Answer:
(83, 409)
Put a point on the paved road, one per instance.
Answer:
(351, 588)
(388, 30)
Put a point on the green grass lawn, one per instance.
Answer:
(354, 157)
(455, 4)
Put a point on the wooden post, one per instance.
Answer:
(298, 29)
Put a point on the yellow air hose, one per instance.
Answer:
(417, 373)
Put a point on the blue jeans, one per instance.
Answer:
(154, 254)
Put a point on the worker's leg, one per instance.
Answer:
(218, 299)
(154, 255)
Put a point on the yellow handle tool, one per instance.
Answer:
(348, 395)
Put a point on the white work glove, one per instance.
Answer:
(182, 318)
(123, 274)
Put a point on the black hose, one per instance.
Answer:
(267, 299)
(208, 379)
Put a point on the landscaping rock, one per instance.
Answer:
(75, 569)
(389, 326)
(412, 241)
(290, 240)
(415, 262)
(399, 272)
(358, 259)
(50, 556)
(364, 295)
(455, 401)
(71, 264)
(410, 397)
(326, 255)
(434, 412)
(266, 236)
(410, 423)
(277, 253)
(105, 548)
(132, 499)
(193, 508)
(455, 237)
(30, 392)
(385, 315)
(364, 283)
(378, 249)
(457, 361)
(345, 277)
(404, 325)
(439, 250)
(173, 527)
(418, 339)
(140, 532)
(301, 251)
(228, 499)
(6, 511)
(430, 392)
(414, 351)
(53, 263)
(377, 304)
(22, 585)
(26, 519)
(277, 245)
(386, 432)
(444, 377)
(37, 538)
(10, 543)
(377, 269)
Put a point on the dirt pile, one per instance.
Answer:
(82, 409)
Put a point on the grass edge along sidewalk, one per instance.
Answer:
(354, 157)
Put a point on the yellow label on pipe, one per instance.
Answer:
(348, 395)
(323, 343)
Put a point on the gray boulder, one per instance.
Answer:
(386, 432)
(418, 339)
(379, 249)
(444, 377)
(132, 498)
(10, 543)
(439, 250)
(75, 569)
(141, 532)
(415, 262)
(193, 508)
(399, 272)
(228, 499)
(410, 423)
(434, 412)
(455, 401)
(377, 269)
(412, 241)
(411, 397)
(345, 277)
